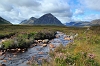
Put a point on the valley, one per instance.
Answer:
(84, 45)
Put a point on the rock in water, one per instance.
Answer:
(44, 45)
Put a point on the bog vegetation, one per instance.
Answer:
(84, 51)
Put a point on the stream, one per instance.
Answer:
(38, 52)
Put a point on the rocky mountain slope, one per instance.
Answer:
(3, 21)
(95, 22)
(47, 19)
(30, 21)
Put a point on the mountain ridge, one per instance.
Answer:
(46, 19)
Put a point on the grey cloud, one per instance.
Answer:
(16, 11)
(27, 3)
(8, 4)
(6, 7)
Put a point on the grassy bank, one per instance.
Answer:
(84, 51)
(22, 36)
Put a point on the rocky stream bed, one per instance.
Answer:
(36, 53)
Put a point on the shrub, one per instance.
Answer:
(45, 35)
(8, 43)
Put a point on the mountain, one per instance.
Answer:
(78, 24)
(30, 21)
(47, 19)
(3, 21)
(95, 22)
(24, 22)
(70, 24)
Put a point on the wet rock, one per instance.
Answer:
(28, 62)
(3, 40)
(13, 50)
(19, 49)
(41, 53)
(71, 37)
(76, 35)
(14, 55)
(2, 57)
(39, 40)
(2, 65)
(1, 53)
(35, 44)
(35, 41)
(44, 45)
(9, 58)
(5, 61)
(45, 40)
(23, 51)
(8, 50)
(51, 46)
(66, 38)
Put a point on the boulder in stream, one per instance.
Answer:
(45, 40)
(44, 45)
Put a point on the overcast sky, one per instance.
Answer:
(65, 10)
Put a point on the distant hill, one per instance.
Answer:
(95, 22)
(3, 21)
(30, 21)
(47, 19)
(78, 24)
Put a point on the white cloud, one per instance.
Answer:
(92, 4)
(74, 18)
(86, 17)
(79, 12)
(16, 11)
(54, 6)
(91, 17)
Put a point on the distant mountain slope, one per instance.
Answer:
(95, 22)
(30, 21)
(70, 24)
(47, 19)
(24, 22)
(78, 24)
(3, 21)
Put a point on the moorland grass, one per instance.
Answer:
(84, 51)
